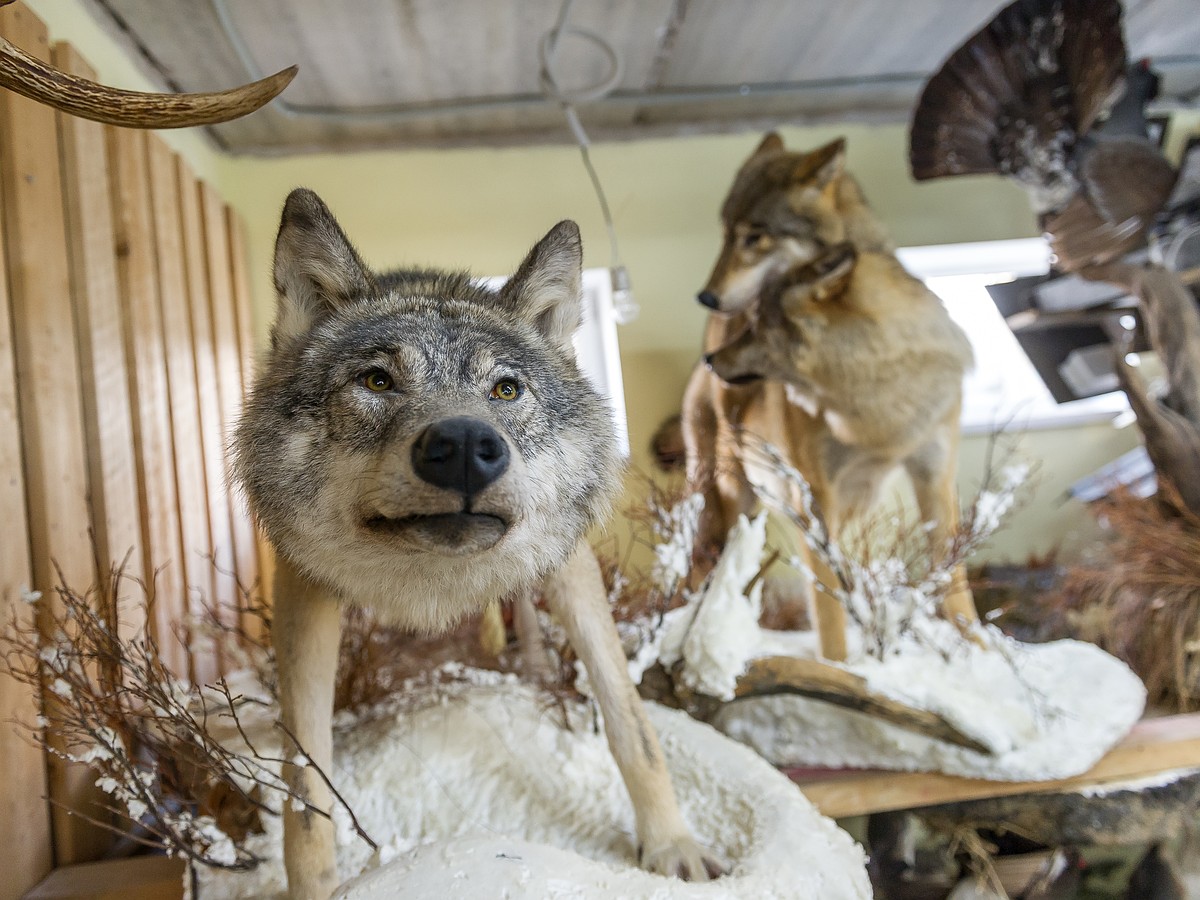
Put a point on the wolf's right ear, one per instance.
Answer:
(316, 268)
(821, 167)
(771, 143)
(546, 289)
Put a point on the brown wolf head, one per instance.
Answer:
(787, 318)
(782, 211)
(415, 440)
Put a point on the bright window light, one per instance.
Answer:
(1004, 390)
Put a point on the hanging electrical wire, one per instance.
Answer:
(625, 308)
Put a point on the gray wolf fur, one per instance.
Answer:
(851, 367)
(423, 445)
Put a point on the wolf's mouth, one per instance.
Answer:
(748, 378)
(452, 534)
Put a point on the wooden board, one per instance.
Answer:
(107, 417)
(191, 480)
(228, 356)
(154, 444)
(244, 305)
(1154, 745)
(24, 819)
(48, 378)
(139, 878)
(200, 298)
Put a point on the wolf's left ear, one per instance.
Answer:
(316, 269)
(545, 291)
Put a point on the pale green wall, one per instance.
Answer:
(482, 208)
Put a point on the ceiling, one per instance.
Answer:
(421, 73)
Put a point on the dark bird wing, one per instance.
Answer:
(1127, 179)
(1016, 96)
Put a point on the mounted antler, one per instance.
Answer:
(33, 78)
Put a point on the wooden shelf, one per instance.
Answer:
(1153, 746)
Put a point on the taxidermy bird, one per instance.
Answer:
(1026, 97)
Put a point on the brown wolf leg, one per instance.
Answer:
(305, 633)
(937, 500)
(827, 613)
(535, 658)
(577, 599)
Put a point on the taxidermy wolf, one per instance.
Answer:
(423, 445)
(852, 369)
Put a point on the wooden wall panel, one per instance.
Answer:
(200, 298)
(108, 424)
(48, 378)
(191, 480)
(243, 301)
(154, 443)
(24, 818)
(222, 306)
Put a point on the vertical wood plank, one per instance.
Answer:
(244, 306)
(108, 424)
(24, 817)
(154, 445)
(191, 479)
(228, 357)
(48, 376)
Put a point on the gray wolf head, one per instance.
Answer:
(417, 441)
(794, 312)
(781, 211)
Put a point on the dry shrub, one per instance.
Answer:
(1138, 597)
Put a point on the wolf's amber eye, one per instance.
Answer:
(506, 389)
(378, 381)
(754, 240)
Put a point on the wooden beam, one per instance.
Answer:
(107, 418)
(1153, 746)
(154, 444)
(24, 817)
(48, 382)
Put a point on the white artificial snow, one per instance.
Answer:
(1046, 711)
(716, 633)
(673, 556)
(481, 792)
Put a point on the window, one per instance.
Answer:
(1004, 389)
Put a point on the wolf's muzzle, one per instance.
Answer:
(709, 299)
(460, 454)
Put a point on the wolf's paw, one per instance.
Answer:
(683, 858)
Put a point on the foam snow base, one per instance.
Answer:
(482, 793)
(1046, 711)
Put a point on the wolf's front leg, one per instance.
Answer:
(305, 633)
(577, 599)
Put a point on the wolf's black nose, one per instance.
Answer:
(709, 299)
(460, 454)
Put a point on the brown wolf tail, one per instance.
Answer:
(1014, 98)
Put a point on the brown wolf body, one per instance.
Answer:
(822, 345)
(425, 446)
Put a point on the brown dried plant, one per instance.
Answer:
(179, 762)
(1138, 596)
